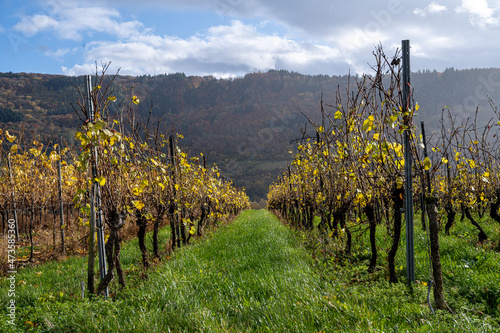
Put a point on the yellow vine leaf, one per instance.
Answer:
(398, 149)
(34, 151)
(138, 204)
(9, 137)
(101, 180)
(427, 163)
(99, 125)
(400, 163)
(53, 156)
(368, 123)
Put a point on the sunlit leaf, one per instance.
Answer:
(368, 123)
(138, 204)
(9, 137)
(101, 180)
(427, 163)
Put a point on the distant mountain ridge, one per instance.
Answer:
(245, 125)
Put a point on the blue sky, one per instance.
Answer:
(228, 38)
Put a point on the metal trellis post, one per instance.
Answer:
(410, 256)
(96, 191)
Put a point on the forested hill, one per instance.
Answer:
(245, 125)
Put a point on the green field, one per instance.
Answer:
(258, 275)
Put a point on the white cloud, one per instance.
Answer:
(30, 26)
(436, 8)
(2, 30)
(68, 21)
(58, 53)
(480, 13)
(432, 8)
(316, 36)
(225, 49)
(354, 39)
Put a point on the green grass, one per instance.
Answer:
(254, 275)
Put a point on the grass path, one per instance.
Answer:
(250, 276)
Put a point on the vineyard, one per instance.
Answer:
(351, 174)
(139, 181)
(324, 257)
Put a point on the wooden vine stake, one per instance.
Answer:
(13, 198)
(61, 208)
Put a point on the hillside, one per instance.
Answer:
(245, 124)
